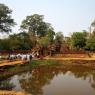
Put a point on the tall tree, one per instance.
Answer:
(6, 22)
(34, 24)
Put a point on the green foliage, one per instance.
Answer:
(78, 40)
(43, 41)
(41, 32)
(21, 41)
(46, 40)
(59, 40)
(90, 44)
(42, 62)
(5, 19)
(35, 25)
(50, 34)
(4, 44)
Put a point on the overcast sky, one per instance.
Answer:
(64, 15)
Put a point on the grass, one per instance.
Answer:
(43, 62)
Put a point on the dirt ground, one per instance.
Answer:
(72, 57)
(84, 57)
(6, 62)
(52, 58)
(12, 93)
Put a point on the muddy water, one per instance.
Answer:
(53, 80)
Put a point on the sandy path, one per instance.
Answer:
(12, 93)
(87, 59)
(6, 63)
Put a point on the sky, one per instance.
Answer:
(66, 16)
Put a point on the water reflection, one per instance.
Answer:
(56, 80)
(6, 85)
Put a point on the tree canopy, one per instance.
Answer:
(78, 39)
(6, 22)
(90, 43)
(35, 25)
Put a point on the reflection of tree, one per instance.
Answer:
(34, 81)
(93, 83)
(43, 75)
(39, 78)
(84, 73)
(6, 85)
(80, 72)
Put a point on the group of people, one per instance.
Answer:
(27, 57)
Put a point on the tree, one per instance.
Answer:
(45, 42)
(78, 40)
(41, 32)
(50, 34)
(25, 42)
(34, 24)
(90, 44)
(20, 41)
(59, 39)
(6, 22)
(4, 44)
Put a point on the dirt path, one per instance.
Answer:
(6, 63)
(87, 59)
(12, 93)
